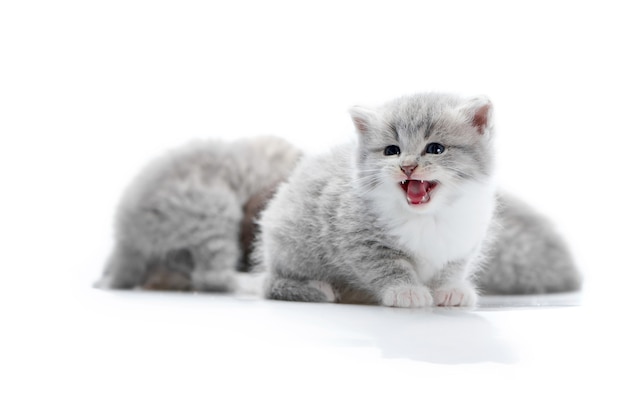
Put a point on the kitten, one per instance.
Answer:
(399, 218)
(179, 223)
(527, 255)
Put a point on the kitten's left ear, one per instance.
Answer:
(479, 113)
(362, 118)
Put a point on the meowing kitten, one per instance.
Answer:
(179, 223)
(399, 218)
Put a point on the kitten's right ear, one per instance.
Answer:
(362, 119)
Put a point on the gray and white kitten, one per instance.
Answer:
(400, 218)
(182, 224)
(342, 230)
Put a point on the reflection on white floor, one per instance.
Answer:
(116, 353)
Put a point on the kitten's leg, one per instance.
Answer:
(217, 255)
(126, 268)
(396, 283)
(453, 288)
(390, 282)
(216, 262)
(298, 289)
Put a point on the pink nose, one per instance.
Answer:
(408, 169)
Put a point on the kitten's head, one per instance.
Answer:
(426, 149)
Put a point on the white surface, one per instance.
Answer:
(155, 354)
(90, 91)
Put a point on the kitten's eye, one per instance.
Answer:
(435, 148)
(392, 150)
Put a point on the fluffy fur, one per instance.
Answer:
(179, 223)
(343, 229)
(528, 255)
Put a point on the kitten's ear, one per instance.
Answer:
(479, 111)
(362, 119)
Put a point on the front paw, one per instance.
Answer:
(407, 296)
(458, 294)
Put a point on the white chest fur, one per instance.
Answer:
(452, 232)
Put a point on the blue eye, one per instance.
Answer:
(434, 148)
(392, 150)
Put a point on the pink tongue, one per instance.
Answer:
(416, 191)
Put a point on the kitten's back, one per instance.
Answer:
(527, 255)
(192, 199)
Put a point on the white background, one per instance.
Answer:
(90, 91)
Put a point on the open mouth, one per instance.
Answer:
(418, 191)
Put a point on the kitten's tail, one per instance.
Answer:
(527, 255)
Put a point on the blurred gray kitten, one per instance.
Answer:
(404, 217)
(182, 224)
(528, 255)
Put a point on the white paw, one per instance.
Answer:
(325, 288)
(459, 294)
(407, 296)
(249, 284)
